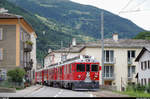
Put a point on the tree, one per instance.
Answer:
(16, 75)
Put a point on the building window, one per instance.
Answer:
(1, 34)
(108, 71)
(3, 74)
(148, 64)
(63, 57)
(131, 54)
(142, 82)
(141, 65)
(145, 81)
(108, 56)
(1, 53)
(131, 70)
(145, 65)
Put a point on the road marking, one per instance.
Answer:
(34, 92)
(58, 93)
(91, 95)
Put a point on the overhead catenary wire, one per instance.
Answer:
(126, 5)
(139, 4)
(137, 7)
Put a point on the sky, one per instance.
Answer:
(138, 11)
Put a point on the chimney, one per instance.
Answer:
(74, 42)
(49, 50)
(115, 36)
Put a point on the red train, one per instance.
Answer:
(81, 72)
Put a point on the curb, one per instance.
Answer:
(11, 90)
(37, 88)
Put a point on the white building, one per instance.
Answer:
(144, 66)
(119, 56)
(33, 57)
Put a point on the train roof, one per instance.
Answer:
(80, 58)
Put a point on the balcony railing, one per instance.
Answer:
(112, 61)
(130, 60)
(109, 76)
(28, 65)
(131, 76)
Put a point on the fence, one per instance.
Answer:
(9, 84)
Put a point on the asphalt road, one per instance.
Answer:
(58, 92)
(46, 91)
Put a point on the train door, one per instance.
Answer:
(42, 76)
(70, 72)
(35, 77)
(88, 72)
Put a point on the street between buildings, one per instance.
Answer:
(46, 91)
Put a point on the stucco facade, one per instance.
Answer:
(143, 60)
(120, 67)
(15, 31)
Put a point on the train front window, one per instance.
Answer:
(94, 67)
(80, 67)
(87, 67)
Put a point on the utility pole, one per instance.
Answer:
(61, 46)
(102, 45)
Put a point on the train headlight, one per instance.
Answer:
(96, 76)
(79, 76)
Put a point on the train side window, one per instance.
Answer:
(80, 67)
(60, 70)
(94, 67)
(70, 68)
(64, 68)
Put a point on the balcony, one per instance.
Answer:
(131, 61)
(132, 77)
(109, 76)
(112, 61)
(28, 46)
(28, 65)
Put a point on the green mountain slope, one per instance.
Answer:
(84, 19)
(143, 35)
(54, 34)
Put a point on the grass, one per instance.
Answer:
(132, 93)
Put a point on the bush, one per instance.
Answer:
(148, 88)
(137, 87)
(16, 75)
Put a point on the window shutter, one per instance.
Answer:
(1, 54)
(1, 34)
